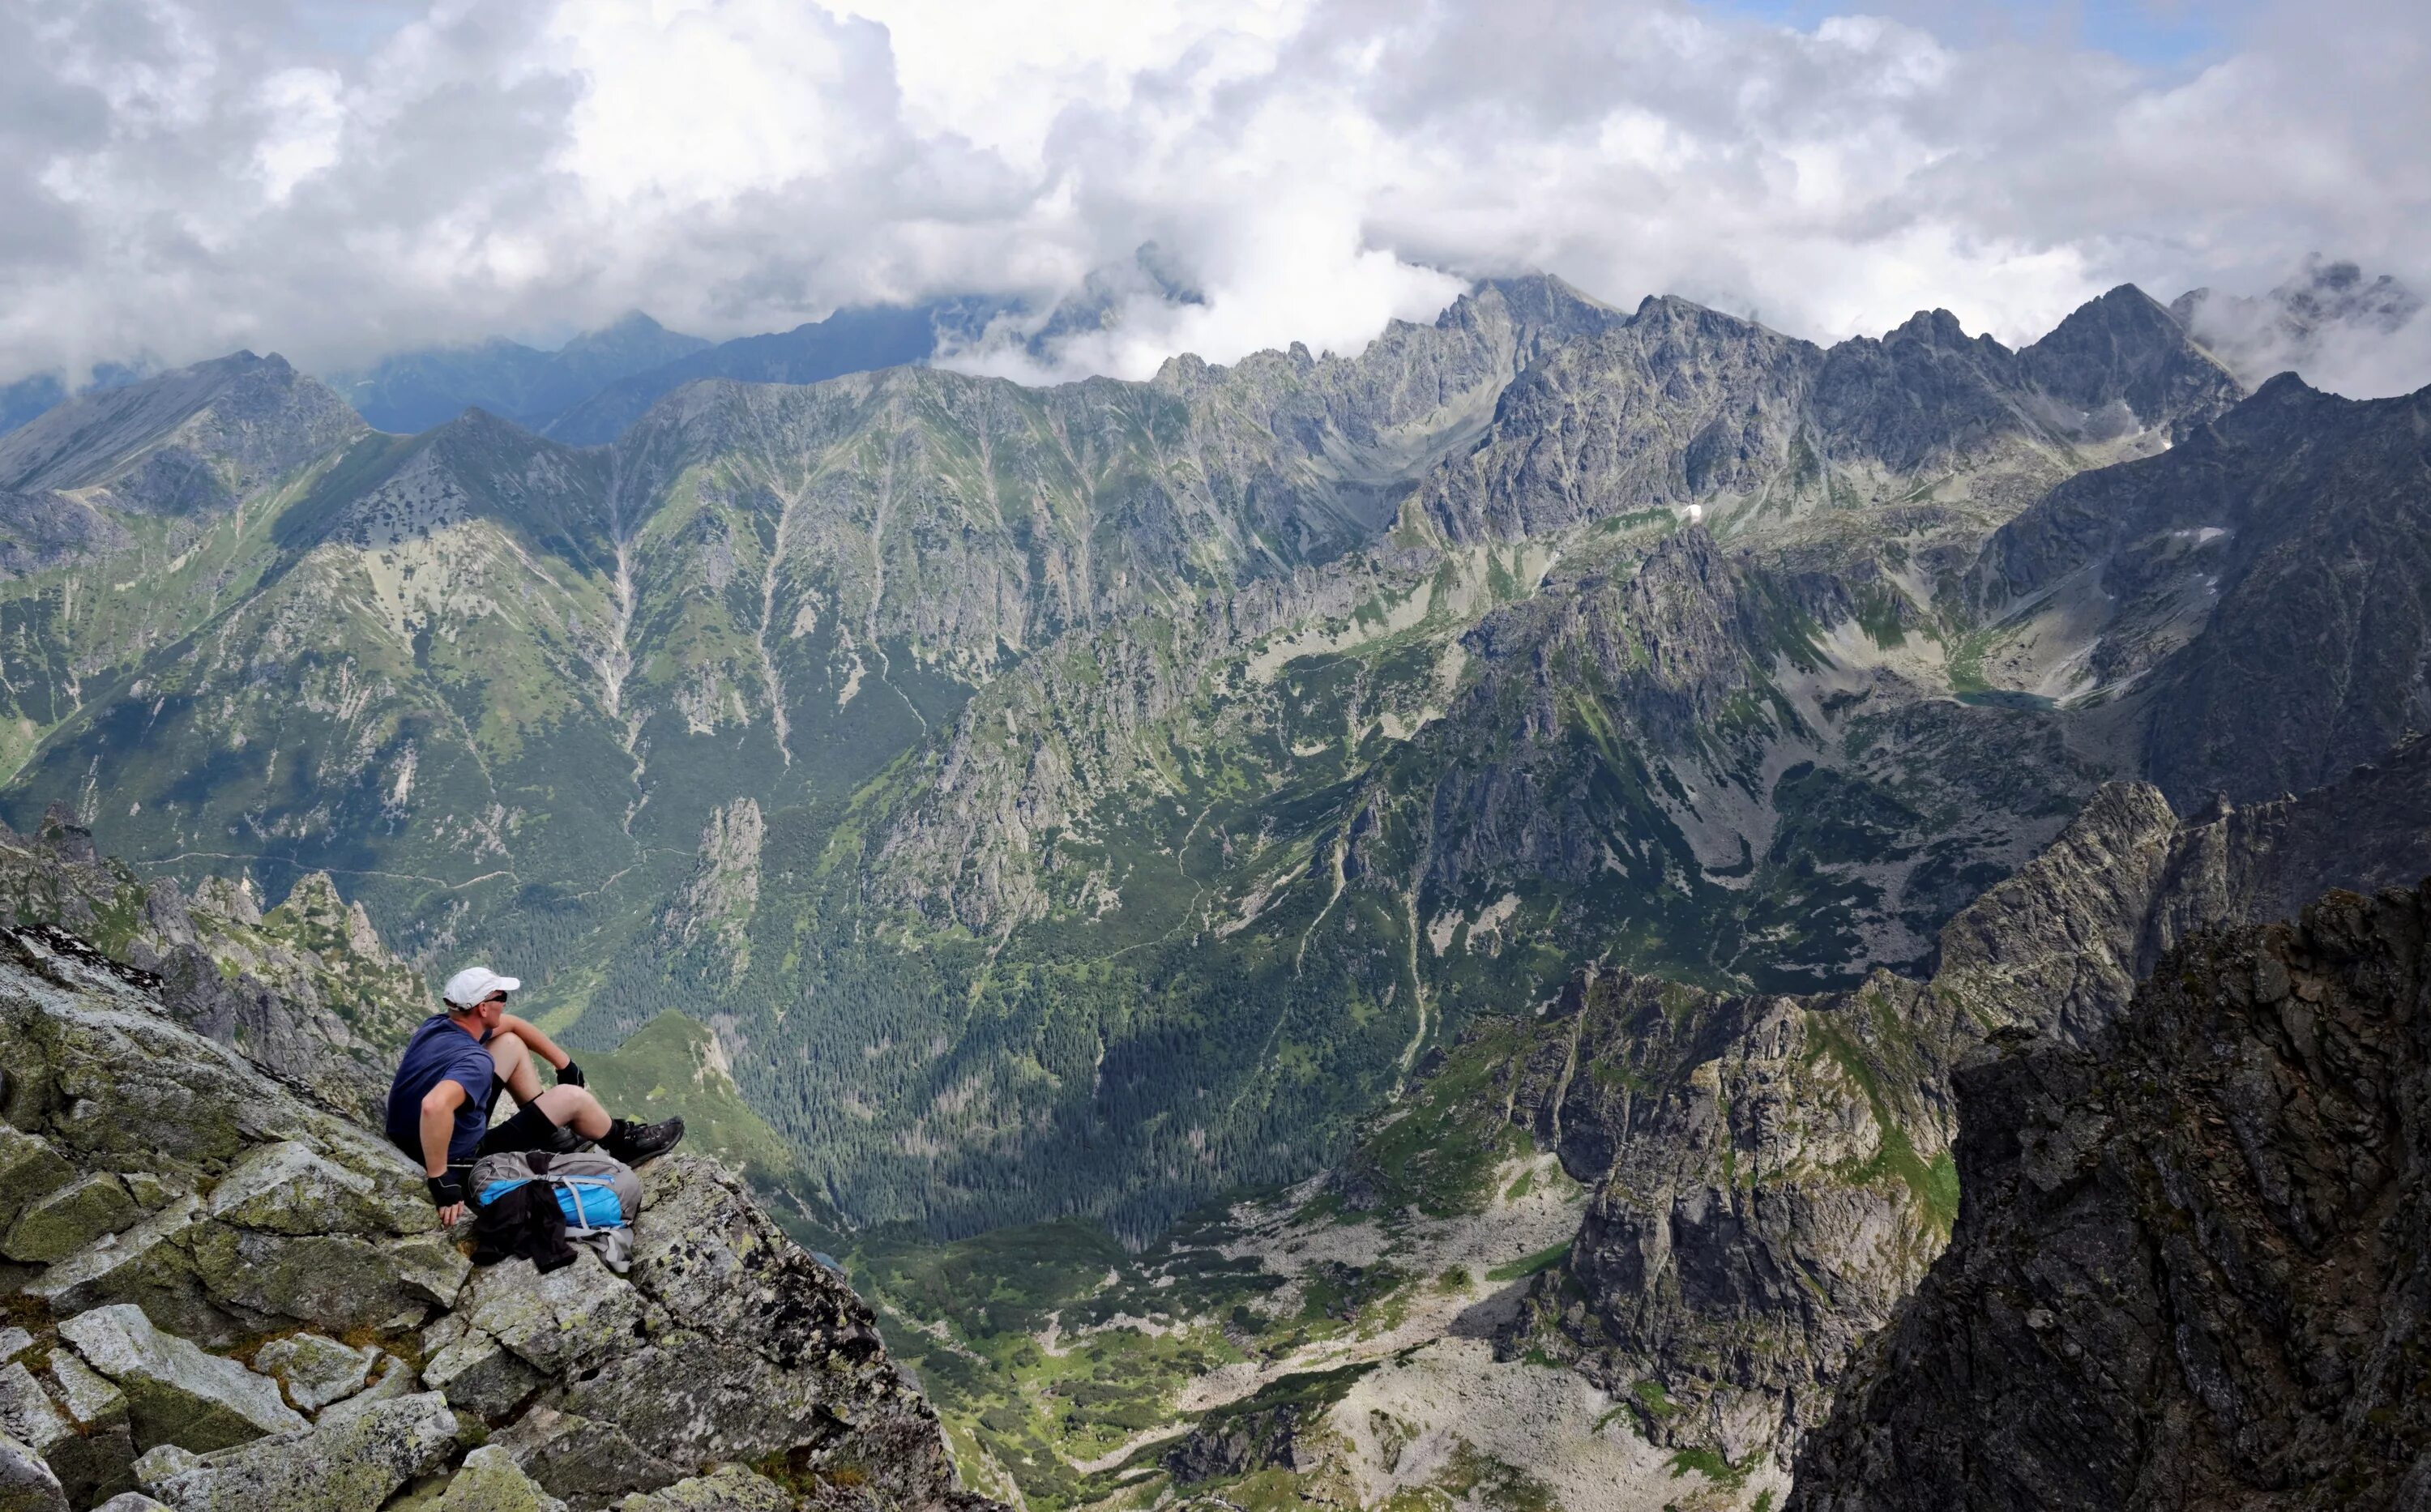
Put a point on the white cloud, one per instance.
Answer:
(303, 118)
(186, 175)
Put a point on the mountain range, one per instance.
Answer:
(1586, 908)
(1088, 798)
(2327, 318)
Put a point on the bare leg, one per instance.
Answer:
(563, 1104)
(513, 1059)
(577, 1106)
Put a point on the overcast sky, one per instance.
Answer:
(334, 181)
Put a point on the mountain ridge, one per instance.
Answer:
(1279, 740)
(410, 392)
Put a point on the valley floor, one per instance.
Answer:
(1284, 1351)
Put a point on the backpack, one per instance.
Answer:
(595, 1198)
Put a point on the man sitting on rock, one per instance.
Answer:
(454, 1069)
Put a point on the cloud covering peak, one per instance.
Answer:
(338, 180)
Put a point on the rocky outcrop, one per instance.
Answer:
(1772, 1176)
(308, 991)
(2059, 948)
(714, 910)
(43, 531)
(2189, 1267)
(262, 1313)
(1238, 1443)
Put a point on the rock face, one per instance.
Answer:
(2060, 947)
(1772, 1176)
(240, 1209)
(2189, 1268)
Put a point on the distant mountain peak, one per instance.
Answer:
(408, 391)
(2328, 318)
(1931, 328)
(230, 422)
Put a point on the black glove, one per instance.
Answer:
(446, 1191)
(569, 1075)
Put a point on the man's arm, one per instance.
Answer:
(439, 1107)
(541, 1046)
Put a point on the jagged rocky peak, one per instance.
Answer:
(1681, 404)
(194, 440)
(2059, 948)
(1933, 328)
(2125, 349)
(2189, 1266)
(1545, 304)
(218, 1293)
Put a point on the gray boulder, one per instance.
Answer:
(480, 1376)
(592, 1465)
(289, 1188)
(61, 1222)
(360, 1463)
(98, 1460)
(85, 1445)
(29, 1169)
(176, 1394)
(26, 1484)
(727, 1488)
(392, 1378)
(560, 1323)
(147, 1266)
(315, 1370)
(334, 1280)
(491, 1481)
(27, 1415)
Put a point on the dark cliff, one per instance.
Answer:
(2189, 1269)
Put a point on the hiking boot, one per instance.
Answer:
(634, 1143)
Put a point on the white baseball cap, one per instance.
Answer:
(468, 988)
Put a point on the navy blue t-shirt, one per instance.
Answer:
(439, 1051)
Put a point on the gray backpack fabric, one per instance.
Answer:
(612, 1242)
